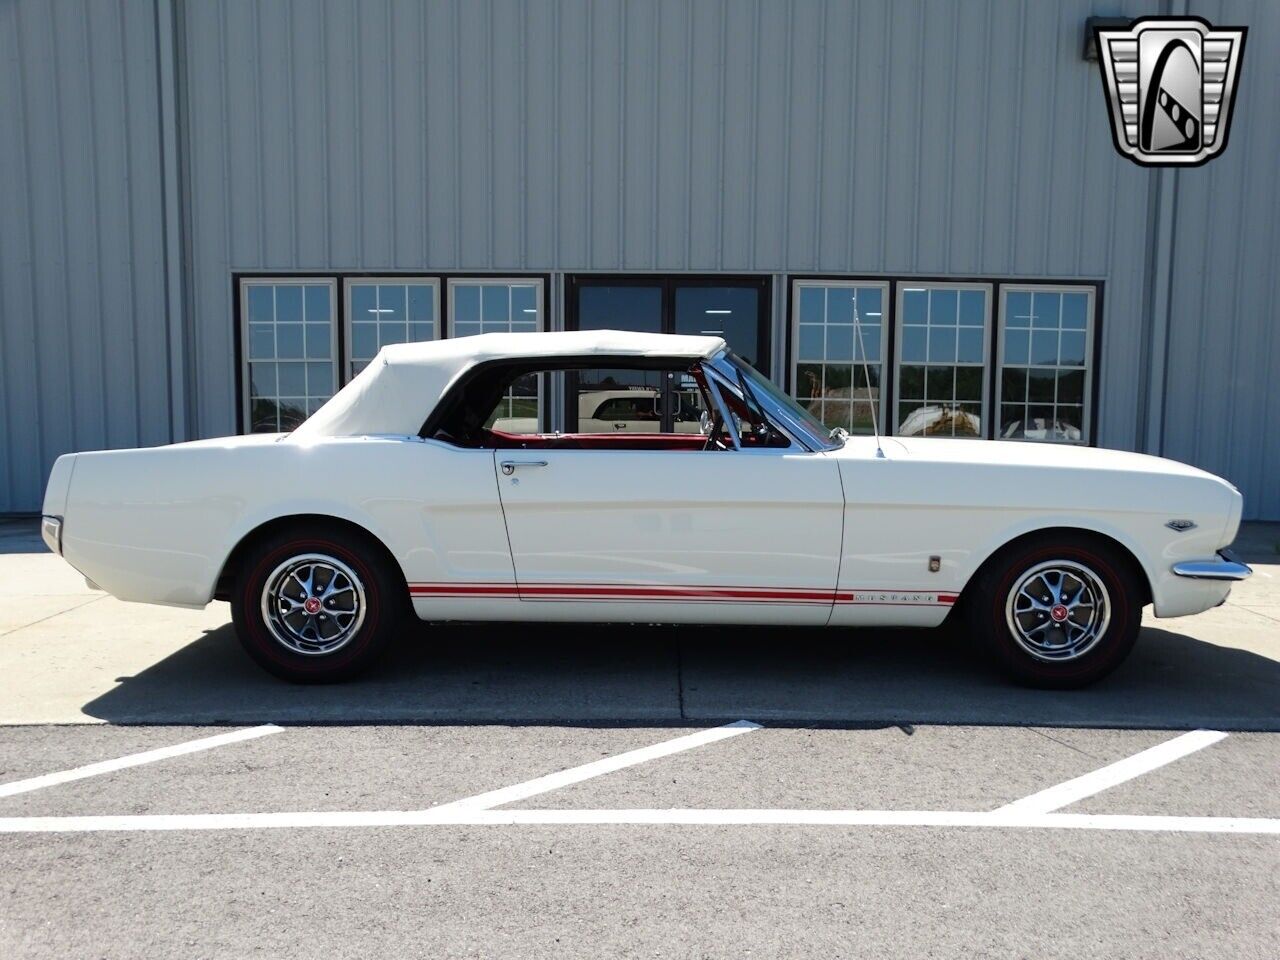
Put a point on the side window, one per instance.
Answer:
(517, 411)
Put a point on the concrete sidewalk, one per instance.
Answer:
(72, 655)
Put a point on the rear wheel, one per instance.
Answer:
(1061, 610)
(316, 607)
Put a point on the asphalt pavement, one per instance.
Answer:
(647, 792)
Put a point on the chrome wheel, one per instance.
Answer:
(313, 604)
(1058, 610)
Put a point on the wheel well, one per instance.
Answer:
(306, 521)
(1110, 544)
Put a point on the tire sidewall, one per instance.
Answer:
(269, 652)
(1109, 651)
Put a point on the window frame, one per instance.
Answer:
(888, 313)
(1090, 351)
(348, 282)
(901, 286)
(243, 286)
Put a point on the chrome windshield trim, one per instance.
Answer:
(1227, 567)
(778, 416)
(715, 382)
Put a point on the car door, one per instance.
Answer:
(686, 535)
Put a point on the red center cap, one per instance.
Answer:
(1058, 612)
(312, 605)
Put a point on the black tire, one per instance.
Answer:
(1000, 613)
(350, 642)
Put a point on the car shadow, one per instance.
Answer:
(590, 674)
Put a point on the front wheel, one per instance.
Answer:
(316, 607)
(1059, 611)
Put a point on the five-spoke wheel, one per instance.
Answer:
(317, 605)
(1059, 609)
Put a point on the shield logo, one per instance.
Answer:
(1171, 84)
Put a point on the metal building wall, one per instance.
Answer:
(754, 135)
(1223, 380)
(779, 136)
(83, 346)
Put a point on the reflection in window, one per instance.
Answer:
(291, 368)
(831, 380)
(941, 361)
(1044, 364)
(383, 312)
(502, 306)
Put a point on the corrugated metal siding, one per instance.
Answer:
(1224, 352)
(747, 136)
(83, 360)
(773, 136)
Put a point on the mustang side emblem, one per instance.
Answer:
(1170, 84)
(1182, 526)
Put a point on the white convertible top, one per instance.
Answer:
(394, 394)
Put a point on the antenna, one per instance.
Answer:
(866, 371)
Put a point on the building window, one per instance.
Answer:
(1046, 335)
(837, 373)
(386, 310)
(503, 306)
(290, 337)
(942, 359)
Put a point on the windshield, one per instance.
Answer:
(769, 393)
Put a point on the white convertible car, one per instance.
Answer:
(395, 497)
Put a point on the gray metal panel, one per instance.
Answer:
(772, 136)
(751, 136)
(83, 348)
(1223, 382)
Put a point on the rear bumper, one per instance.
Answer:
(1227, 567)
(51, 533)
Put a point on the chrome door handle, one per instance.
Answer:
(509, 466)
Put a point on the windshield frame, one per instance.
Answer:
(780, 407)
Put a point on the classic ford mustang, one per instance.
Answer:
(401, 495)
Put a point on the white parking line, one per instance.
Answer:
(440, 817)
(554, 781)
(1064, 794)
(135, 760)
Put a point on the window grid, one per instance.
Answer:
(827, 368)
(1045, 363)
(290, 344)
(502, 305)
(387, 310)
(942, 352)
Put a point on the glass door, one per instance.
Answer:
(641, 401)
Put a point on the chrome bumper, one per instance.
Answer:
(51, 533)
(1227, 567)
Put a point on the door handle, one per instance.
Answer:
(509, 466)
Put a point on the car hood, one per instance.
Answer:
(1007, 453)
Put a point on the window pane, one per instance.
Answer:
(842, 325)
(1045, 366)
(915, 306)
(495, 306)
(261, 304)
(422, 306)
(288, 304)
(812, 304)
(289, 341)
(913, 344)
(943, 306)
(316, 303)
(945, 396)
(465, 304)
(262, 341)
(293, 323)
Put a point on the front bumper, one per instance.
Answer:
(1227, 567)
(51, 533)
